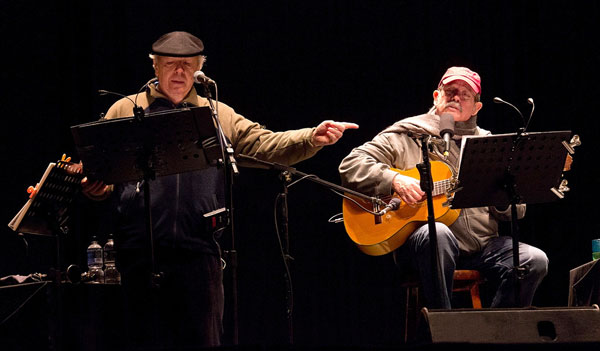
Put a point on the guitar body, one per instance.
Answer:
(379, 235)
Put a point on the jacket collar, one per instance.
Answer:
(190, 99)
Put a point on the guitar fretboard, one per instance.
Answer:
(440, 187)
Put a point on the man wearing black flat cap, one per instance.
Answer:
(189, 302)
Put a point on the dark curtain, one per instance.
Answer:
(289, 65)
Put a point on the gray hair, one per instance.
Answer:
(154, 57)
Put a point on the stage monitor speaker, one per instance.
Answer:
(561, 325)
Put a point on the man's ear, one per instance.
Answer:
(155, 66)
(477, 107)
(436, 95)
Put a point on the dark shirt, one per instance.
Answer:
(179, 203)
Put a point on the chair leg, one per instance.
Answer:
(412, 303)
(406, 313)
(411, 309)
(475, 298)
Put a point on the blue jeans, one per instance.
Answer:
(495, 262)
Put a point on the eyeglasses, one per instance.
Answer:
(463, 95)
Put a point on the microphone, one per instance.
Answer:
(446, 130)
(138, 111)
(530, 101)
(201, 78)
(103, 92)
(500, 101)
(393, 205)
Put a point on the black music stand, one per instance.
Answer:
(510, 169)
(131, 149)
(140, 149)
(46, 212)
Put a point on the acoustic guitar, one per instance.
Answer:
(379, 235)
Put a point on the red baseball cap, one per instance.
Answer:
(464, 74)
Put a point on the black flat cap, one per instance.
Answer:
(178, 44)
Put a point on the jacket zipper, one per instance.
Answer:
(176, 204)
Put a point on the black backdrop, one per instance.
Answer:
(290, 65)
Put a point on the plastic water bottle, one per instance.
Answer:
(595, 249)
(111, 274)
(95, 262)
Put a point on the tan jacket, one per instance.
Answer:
(246, 137)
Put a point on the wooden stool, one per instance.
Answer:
(468, 280)
(464, 280)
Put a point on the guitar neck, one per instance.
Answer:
(440, 187)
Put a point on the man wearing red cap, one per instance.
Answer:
(471, 241)
(186, 310)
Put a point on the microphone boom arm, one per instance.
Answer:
(311, 177)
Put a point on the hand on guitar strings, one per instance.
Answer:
(408, 189)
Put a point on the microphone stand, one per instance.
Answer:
(286, 176)
(279, 167)
(511, 189)
(231, 171)
(510, 186)
(145, 164)
(150, 175)
(427, 186)
(518, 270)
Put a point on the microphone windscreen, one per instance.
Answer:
(446, 124)
(198, 76)
(395, 203)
